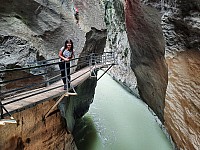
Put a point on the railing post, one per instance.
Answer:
(91, 63)
(94, 59)
(68, 82)
(46, 76)
(66, 78)
(105, 58)
(1, 109)
(113, 54)
(99, 58)
(113, 57)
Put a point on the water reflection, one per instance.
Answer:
(86, 136)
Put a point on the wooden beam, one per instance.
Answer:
(58, 101)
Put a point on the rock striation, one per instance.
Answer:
(181, 30)
(181, 27)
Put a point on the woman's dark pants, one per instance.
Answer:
(62, 68)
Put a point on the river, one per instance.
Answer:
(117, 120)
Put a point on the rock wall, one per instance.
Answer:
(181, 29)
(135, 34)
(36, 29)
(117, 41)
(95, 43)
(32, 30)
(147, 57)
(182, 110)
(33, 132)
(181, 26)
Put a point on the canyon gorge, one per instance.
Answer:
(156, 45)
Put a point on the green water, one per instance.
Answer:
(117, 120)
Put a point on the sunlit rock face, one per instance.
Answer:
(182, 110)
(181, 28)
(33, 132)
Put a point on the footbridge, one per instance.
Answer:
(25, 87)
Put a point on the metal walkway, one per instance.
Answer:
(17, 94)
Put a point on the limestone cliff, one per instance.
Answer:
(135, 33)
(181, 27)
(117, 41)
(36, 29)
(147, 61)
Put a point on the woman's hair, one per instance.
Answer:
(69, 41)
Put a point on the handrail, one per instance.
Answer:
(32, 85)
(105, 58)
(42, 91)
(25, 68)
(46, 64)
(33, 67)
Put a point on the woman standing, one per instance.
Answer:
(66, 53)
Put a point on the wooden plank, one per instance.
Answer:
(39, 98)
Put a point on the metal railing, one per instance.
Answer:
(41, 70)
